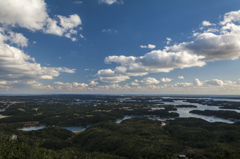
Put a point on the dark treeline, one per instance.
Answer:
(230, 115)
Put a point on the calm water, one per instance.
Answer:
(217, 99)
(81, 128)
(32, 128)
(70, 128)
(125, 118)
(183, 113)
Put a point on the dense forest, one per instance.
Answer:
(135, 138)
(78, 114)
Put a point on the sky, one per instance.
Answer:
(120, 47)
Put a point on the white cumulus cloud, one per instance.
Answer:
(210, 45)
(16, 65)
(150, 80)
(152, 62)
(93, 83)
(32, 14)
(149, 46)
(215, 83)
(197, 82)
(166, 79)
(180, 77)
(14, 38)
(74, 86)
(207, 23)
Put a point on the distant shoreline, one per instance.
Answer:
(159, 95)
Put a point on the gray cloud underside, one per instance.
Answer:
(15, 65)
(212, 44)
(30, 14)
(155, 61)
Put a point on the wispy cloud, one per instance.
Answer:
(111, 31)
(78, 2)
(168, 40)
(111, 2)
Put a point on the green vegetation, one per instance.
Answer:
(61, 114)
(135, 138)
(230, 115)
(186, 106)
(222, 104)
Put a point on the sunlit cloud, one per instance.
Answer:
(180, 77)
(152, 62)
(220, 44)
(33, 15)
(150, 80)
(166, 80)
(149, 46)
(15, 64)
(207, 23)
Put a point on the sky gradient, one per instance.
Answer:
(120, 47)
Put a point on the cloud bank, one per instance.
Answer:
(32, 15)
(15, 65)
(215, 42)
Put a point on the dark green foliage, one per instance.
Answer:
(206, 140)
(160, 113)
(231, 115)
(69, 115)
(135, 138)
(186, 106)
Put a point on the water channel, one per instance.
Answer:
(183, 113)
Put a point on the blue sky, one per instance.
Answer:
(120, 46)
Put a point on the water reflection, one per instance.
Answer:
(32, 128)
(184, 112)
(76, 128)
(70, 128)
(125, 118)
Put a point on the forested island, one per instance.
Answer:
(144, 136)
(230, 115)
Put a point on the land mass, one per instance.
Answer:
(134, 138)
